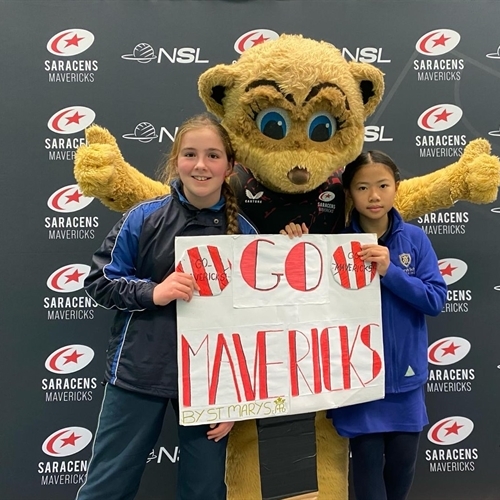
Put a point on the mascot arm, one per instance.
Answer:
(474, 177)
(101, 172)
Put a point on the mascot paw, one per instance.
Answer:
(96, 162)
(478, 176)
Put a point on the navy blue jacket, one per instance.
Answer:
(136, 255)
(412, 288)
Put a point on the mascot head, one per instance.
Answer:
(294, 109)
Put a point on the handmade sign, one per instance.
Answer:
(279, 326)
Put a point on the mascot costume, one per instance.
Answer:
(295, 111)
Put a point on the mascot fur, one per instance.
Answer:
(320, 102)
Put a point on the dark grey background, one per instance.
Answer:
(125, 93)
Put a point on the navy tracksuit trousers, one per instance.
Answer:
(128, 428)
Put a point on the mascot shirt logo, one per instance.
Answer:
(439, 117)
(67, 441)
(68, 199)
(70, 42)
(452, 270)
(69, 359)
(68, 278)
(437, 42)
(71, 120)
(252, 38)
(450, 430)
(448, 351)
(326, 196)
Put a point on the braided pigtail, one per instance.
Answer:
(231, 209)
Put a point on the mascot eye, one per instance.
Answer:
(321, 127)
(273, 123)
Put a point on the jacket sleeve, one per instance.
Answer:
(245, 225)
(112, 281)
(426, 290)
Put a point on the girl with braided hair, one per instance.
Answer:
(134, 273)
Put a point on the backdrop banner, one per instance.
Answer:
(132, 67)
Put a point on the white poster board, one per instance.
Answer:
(280, 326)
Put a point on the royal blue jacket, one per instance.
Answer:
(412, 288)
(136, 255)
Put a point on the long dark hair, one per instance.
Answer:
(368, 158)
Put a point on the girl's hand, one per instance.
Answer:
(174, 286)
(293, 230)
(376, 253)
(220, 430)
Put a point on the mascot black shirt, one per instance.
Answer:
(322, 210)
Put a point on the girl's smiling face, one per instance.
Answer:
(202, 166)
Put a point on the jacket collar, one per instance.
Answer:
(177, 191)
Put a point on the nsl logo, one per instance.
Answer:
(144, 53)
(365, 54)
(375, 133)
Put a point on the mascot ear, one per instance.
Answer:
(213, 86)
(371, 84)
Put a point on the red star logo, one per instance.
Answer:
(74, 197)
(73, 41)
(258, 41)
(450, 349)
(71, 440)
(74, 119)
(74, 276)
(453, 429)
(440, 41)
(447, 271)
(443, 116)
(72, 358)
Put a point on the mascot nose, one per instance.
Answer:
(299, 175)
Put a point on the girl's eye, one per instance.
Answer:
(321, 126)
(273, 123)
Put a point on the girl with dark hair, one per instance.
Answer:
(384, 434)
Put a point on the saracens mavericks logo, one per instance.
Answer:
(70, 42)
(71, 120)
(448, 350)
(450, 430)
(439, 117)
(68, 199)
(437, 42)
(67, 441)
(69, 359)
(69, 278)
(253, 38)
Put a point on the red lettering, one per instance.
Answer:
(294, 361)
(186, 349)
(248, 265)
(295, 267)
(214, 382)
(376, 359)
